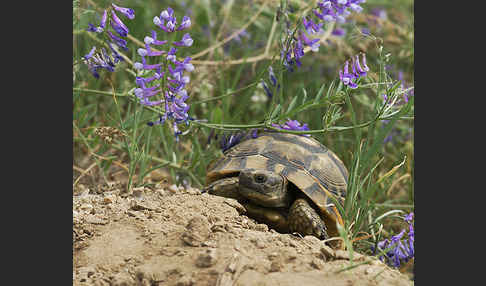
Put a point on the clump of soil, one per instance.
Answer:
(178, 236)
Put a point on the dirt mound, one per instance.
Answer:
(179, 237)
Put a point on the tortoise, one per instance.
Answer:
(289, 182)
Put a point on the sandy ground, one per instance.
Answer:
(177, 236)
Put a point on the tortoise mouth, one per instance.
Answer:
(262, 199)
(263, 196)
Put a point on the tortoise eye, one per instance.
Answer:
(259, 178)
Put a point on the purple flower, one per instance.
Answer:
(229, 140)
(90, 54)
(346, 77)
(148, 51)
(169, 72)
(271, 76)
(153, 40)
(103, 60)
(310, 26)
(366, 31)
(338, 32)
(273, 81)
(186, 23)
(118, 41)
(101, 27)
(359, 71)
(118, 25)
(185, 41)
(314, 43)
(400, 248)
(171, 54)
(293, 125)
(96, 61)
(145, 66)
(379, 13)
(166, 17)
(103, 20)
(336, 10)
(184, 65)
(128, 12)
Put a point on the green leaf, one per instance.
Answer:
(304, 98)
(292, 104)
(217, 115)
(276, 111)
(319, 93)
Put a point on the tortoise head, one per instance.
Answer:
(264, 188)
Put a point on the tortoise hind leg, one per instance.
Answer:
(304, 219)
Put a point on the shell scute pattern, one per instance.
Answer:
(305, 162)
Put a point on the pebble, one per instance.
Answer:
(193, 191)
(261, 227)
(197, 231)
(206, 258)
(109, 199)
(317, 263)
(86, 207)
(258, 242)
(327, 251)
(138, 192)
(173, 188)
(275, 266)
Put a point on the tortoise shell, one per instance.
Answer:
(306, 163)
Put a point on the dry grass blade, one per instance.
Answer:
(83, 173)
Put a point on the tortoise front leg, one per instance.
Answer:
(304, 219)
(229, 188)
(274, 218)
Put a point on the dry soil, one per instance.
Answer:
(177, 236)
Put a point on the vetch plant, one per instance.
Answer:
(165, 80)
(101, 59)
(334, 106)
(399, 249)
(350, 79)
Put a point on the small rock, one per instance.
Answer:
(85, 272)
(233, 264)
(272, 256)
(197, 231)
(317, 263)
(161, 192)
(312, 239)
(138, 192)
(109, 199)
(86, 207)
(327, 251)
(261, 227)
(206, 258)
(193, 191)
(136, 214)
(258, 242)
(173, 188)
(185, 281)
(344, 254)
(275, 266)
(95, 220)
(369, 270)
(139, 205)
